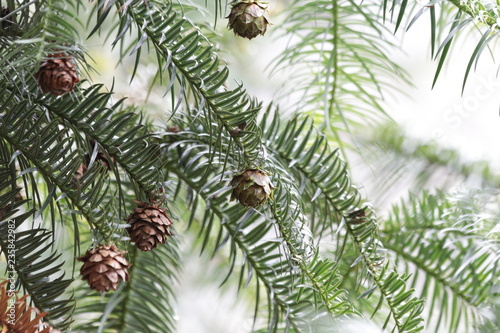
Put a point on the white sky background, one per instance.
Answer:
(468, 123)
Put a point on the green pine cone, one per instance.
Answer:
(251, 188)
(249, 19)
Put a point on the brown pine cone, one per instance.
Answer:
(104, 267)
(249, 18)
(57, 75)
(16, 316)
(149, 225)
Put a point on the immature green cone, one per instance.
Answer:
(149, 226)
(251, 188)
(249, 18)
(104, 267)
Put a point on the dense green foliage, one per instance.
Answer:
(317, 254)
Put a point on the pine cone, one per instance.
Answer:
(104, 267)
(16, 316)
(57, 75)
(249, 18)
(149, 225)
(252, 188)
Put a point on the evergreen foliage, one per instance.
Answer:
(317, 254)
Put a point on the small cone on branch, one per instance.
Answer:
(251, 188)
(57, 75)
(104, 267)
(249, 18)
(149, 225)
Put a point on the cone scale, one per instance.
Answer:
(251, 188)
(57, 75)
(149, 226)
(104, 267)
